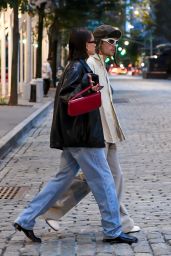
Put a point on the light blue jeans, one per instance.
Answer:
(93, 163)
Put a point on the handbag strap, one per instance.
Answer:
(84, 90)
(79, 93)
(87, 70)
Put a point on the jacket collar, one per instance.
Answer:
(85, 66)
(99, 58)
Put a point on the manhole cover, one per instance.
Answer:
(12, 192)
(120, 100)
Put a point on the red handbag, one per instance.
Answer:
(80, 104)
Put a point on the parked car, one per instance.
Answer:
(158, 65)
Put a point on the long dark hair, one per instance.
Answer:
(77, 44)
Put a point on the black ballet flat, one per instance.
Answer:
(122, 238)
(29, 233)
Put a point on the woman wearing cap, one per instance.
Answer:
(82, 143)
(106, 38)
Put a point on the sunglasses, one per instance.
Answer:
(92, 42)
(110, 41)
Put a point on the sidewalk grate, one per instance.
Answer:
(12, 192)
(120, 100)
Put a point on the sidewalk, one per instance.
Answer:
(16, 121)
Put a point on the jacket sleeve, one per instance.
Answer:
(73, 82)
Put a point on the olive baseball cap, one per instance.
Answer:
(106, 31)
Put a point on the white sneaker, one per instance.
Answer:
(134, 229)
(53, 224)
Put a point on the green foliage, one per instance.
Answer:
(155, 15)
(76, 13)
(111, 12)
(90, 14)
(71, 14)
(23, 4)
(162, 18)
(143, 11)
(3, 5)
(3, 101)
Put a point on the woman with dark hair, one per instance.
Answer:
(82, 143)
(77, 44)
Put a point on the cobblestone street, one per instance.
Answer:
(144, 110)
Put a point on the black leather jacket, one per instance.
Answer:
(80, 131)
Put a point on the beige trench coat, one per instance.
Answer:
(111, 127)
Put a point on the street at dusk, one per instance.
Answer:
(85, 124)
(144, 110)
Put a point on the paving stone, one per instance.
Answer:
(143, 254)
(161, 249)
(142, 247)
(167, 236)
(68, 246)
(104, 248)
(50, 247)
(156, 240)
(105, 254)
(154, 235)
(123, 250)
(169, 242)
(7, 253)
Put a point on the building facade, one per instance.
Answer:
(27, 50)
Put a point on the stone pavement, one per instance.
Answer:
(144, 109)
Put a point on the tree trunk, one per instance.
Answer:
(39, 48)
(52, 55)
(13, 101)
(53, 62)
(50, 46)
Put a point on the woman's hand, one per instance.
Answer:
(96, 87)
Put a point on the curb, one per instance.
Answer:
(12, 138)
